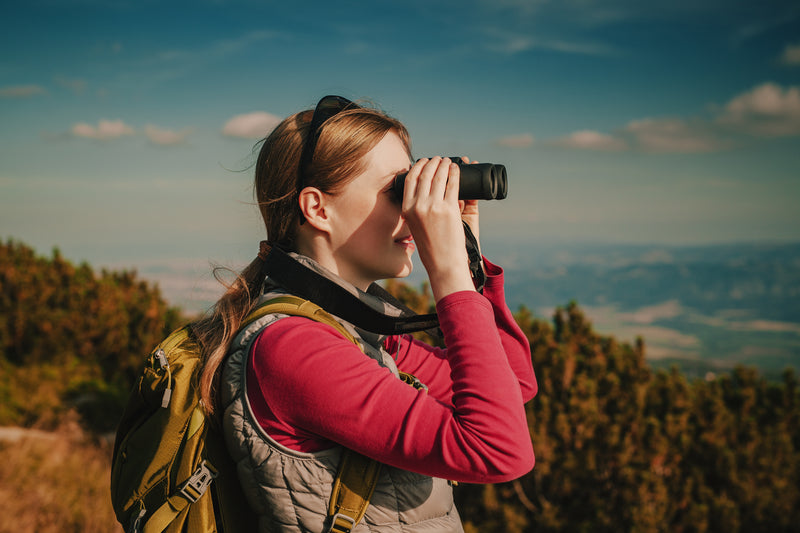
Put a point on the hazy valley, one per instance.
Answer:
(704, 308)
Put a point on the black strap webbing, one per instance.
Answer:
(376, 290)
(475, 259)
(306, 283)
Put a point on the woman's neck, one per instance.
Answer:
(320, 251)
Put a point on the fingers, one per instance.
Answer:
(436, 181)
(436, 177)
(410, 185)
(431, 180)
(445, 182)
(430, 201)
(453, 183)
(431, 210)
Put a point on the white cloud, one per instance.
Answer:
(224, 48)
(77, 86)
(254, 125)
(767, 111)
(766, 99)
(164, 137)
(791, 55)
(21, 91)
(580, 48)
(592, 140)
(673, 135)
(523, 140)
(513, 44)
(506, 42)
(105, 130)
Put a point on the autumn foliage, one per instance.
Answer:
(71, 337)
(619, 446)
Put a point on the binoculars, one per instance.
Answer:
(479, 181)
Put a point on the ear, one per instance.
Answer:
(313, 203)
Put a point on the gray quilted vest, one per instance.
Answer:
(290, 490)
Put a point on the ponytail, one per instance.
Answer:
(216, 330)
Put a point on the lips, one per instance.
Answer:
(405, 240)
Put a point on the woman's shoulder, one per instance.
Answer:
(298, 331)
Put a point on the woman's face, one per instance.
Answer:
(369, 238)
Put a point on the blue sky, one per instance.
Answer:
(126, 127)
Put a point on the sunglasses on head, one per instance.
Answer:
(328, 107)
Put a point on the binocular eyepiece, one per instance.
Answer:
(479, 181)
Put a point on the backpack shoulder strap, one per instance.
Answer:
(295, 306)
(352, 489)
(357, 475)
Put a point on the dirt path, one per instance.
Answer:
(16, 434)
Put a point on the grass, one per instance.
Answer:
(56, 482)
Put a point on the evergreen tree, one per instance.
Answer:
(619, 447)
(67, 333)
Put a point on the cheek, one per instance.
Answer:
(387, 215)
(377, 210)
(354, 210)
(368, 215)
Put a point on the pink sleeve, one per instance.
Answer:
(515, 343)
(341, 395)
(430, 365)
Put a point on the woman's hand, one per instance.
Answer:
(434, 214)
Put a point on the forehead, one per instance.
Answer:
(386, 158)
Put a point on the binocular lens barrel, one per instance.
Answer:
(479, 181)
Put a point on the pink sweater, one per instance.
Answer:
(470, 426)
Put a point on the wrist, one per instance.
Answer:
(444, 284)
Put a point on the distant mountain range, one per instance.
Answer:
(702, 308)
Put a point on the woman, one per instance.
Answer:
(303, 392)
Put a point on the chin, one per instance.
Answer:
(406, 271)
(400, 269)
(400, 274)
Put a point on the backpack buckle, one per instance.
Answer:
(346, 525)
(135, 525)
(194, 487)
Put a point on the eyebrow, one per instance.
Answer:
(391, 175)
(387, 181)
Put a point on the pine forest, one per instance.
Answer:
(619, 446)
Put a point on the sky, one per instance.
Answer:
(127, 127)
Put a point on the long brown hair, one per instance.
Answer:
(343, 142)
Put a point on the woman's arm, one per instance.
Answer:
(430, 365)
(515, 343)
(344, 397)
(435, 215)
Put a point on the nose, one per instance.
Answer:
(402, 227)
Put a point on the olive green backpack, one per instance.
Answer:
(171, 472)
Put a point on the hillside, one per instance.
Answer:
(70, 336)
(703, 308)
(620, 446)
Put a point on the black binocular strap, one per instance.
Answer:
(475, 259)
(306, 283)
